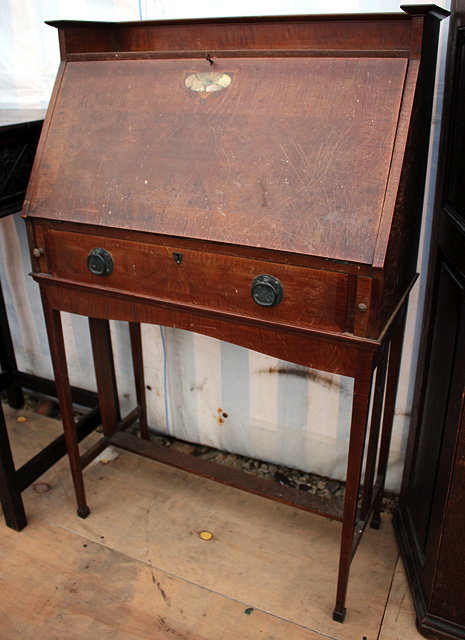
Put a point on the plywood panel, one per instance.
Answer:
(269, 556)
(57, 584)
(103, 577)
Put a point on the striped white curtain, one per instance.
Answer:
(198, 389)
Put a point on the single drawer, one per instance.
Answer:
(297, 296)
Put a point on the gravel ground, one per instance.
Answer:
(310, 482)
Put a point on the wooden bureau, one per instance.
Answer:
(258, 180)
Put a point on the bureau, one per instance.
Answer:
(257, 180)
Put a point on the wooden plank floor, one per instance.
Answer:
(137, 567)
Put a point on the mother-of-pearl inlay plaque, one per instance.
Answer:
(208, 82)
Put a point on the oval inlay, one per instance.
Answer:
(208, 82)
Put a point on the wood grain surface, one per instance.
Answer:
(312, 297)
(138, 568)
(293, 155)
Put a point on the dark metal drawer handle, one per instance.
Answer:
(100, 262)
(267, 291)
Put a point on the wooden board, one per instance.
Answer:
(60, 585)
(294, 154)
(137, 566)
(154, 514)
(399, 619)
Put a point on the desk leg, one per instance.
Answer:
(10, 496)
(139, 380)
(60, 368)
(105, 373)
(395, 355)
(8, 359)
(372, 449)
(358, 428)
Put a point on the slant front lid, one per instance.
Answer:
(291, 154)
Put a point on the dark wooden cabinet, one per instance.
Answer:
(19, 134)
(431, 518)
(257, 180)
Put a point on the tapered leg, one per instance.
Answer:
(373, 441)
(105, 373)
(10, 496)
(139, 380)
(58, 354)
(395, 355)
(358, 428)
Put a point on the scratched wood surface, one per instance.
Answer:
(137, 568)
(293, 154)
(313, 297)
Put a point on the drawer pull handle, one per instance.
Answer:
(267, 291)
(100, 262)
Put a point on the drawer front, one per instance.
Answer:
(309, 297)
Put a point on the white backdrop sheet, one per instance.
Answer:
(199, 389)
